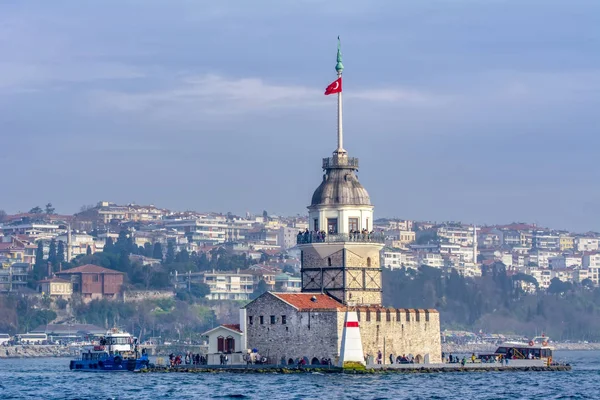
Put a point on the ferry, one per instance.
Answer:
(537, 349)
(117, 351)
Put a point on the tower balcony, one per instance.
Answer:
(340, 162)
(317, 237)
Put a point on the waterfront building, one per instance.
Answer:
(340, 271)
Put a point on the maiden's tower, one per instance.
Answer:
(340, 272)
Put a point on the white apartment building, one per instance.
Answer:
(456, 235)
(433, 260)
(586, 244)
(229, 285)
(396, 258)
(202, 230)
(564, 261)
(591, 262)
(541, 257)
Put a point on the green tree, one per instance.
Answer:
(261, 288)
(148, 249)
(108, 245)
(182, 256)
(2, 215)
(36, 210)
(88, 251)
(157, 251)
(40, 268)
(170, 258)
(60, 252)
(52, 256)
(50, 209)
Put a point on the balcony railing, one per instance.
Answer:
(340, 162)
(316, 237)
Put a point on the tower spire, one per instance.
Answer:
(339, 67)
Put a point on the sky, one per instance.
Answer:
(466, 110)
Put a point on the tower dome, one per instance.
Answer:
(340, 185)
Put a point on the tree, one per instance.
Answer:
(50, 209)
(157, 251)
(183, 256)
(40, 268)
(558, 287)
(265, 215)
(36, 210)
(88, 251)
(261, 288)
(2, 215)
(148, 249)
(108, 246)
(170, 258)
(60, 252)
(52, 256)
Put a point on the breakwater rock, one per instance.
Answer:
(379, 369)
(28, 351)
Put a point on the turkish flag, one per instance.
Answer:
(334, 87)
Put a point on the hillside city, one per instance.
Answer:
(91, 266)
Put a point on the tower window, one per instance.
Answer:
(332, 225)
(273, 319)
(262, 319)
(329, 261)
(368, 261)
(353, 224)
(250, 320)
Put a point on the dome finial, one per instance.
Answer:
(339, 67)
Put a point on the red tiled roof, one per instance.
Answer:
(233, 327)
(89, 269)
(302, 301)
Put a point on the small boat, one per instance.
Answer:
(117, 351)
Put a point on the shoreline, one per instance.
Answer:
(34, 351)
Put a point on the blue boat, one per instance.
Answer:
(117, 351)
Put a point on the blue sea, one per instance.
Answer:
(50, 378)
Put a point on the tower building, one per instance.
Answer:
(341, 282)
(340, 254)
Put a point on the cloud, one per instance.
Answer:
(216, 94)
(21, 77)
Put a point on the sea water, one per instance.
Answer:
(50, 378)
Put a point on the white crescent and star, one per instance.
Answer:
(337, 85)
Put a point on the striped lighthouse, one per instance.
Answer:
(352, 350)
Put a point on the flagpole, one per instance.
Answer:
(340, 127)
(339, 67)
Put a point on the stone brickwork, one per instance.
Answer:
(304, 334)
(404, 332)
(318, 333)
(361, 270)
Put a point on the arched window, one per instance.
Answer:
(368, 261)
(329, 261)
(221, 344)
(388, 315)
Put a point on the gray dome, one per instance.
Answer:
(340, 186)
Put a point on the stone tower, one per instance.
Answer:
(343, 262)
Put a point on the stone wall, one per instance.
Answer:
(404, 331)
(305, 334)
(140, 295)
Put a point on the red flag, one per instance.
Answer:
(334, 87)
